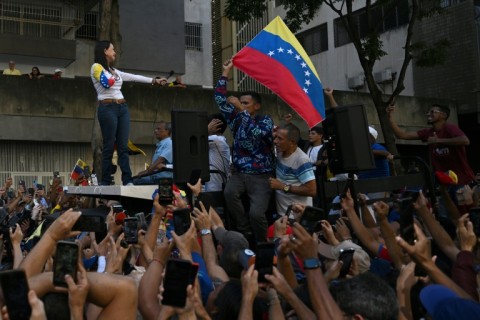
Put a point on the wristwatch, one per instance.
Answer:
(286, 188)
(311, 263)
(205, 232)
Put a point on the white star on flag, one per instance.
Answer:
(290, 51)
(280, 49)
(307, 82)
(307, 73)
(271, 53)
(303, 64)
(305, 89)
(297, 57)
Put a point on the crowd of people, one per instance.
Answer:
(387, 259)
(34, 74)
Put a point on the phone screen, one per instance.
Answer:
(181, 220)
(117, 208)
(407, 232)
(66, 261)
(310, 218)
(264, 260)
(193, 273)
(22, 183)
(93, 223)
(142, 222)
(15, 293)
(130, 230)
(165, 192)
(177, 278)
(346, 256)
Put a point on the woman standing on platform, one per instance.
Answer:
(113, 114)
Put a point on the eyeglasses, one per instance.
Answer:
(433, 111)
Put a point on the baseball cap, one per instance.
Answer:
(232, 242)
(373, 132)
(333, 253)
(443, 303)
(58, 70)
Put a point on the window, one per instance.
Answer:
(193, 36)
(392, 19)
(314, 40)
(31, 20)
(89, 29)
(341, 35)
(448, 3)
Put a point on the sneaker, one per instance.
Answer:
(129, 184)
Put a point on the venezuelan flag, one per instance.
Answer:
(277, 60)
(78, 170)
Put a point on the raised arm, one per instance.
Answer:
(399, 132)
(59, 230)
(360, 230)
(440, 236)
(203, 223)
(323, 303)
(420, 252)
(381, 208)
(329, 93)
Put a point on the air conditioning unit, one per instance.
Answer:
(383, 76)
(356, 82)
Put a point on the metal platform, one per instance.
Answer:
(133, 198)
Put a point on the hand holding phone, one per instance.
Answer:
(15, 293)
(310, 219)
(181, 220)
(165, 192)
(178, 275)
(130, 230)
(66, 262)
(264, 260)
(346, 256)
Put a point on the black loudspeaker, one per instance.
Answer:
(190, 145)
(347, 137)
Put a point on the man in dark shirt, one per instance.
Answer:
(446, 143)
(253, 159)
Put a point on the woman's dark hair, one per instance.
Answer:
(100, 53)
(38, 70)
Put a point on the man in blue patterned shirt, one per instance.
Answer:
(253, 158)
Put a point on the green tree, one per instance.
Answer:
(367, 43)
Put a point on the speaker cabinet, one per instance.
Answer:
(190, 145)
(348, 147)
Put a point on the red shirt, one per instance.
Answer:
(445, 157)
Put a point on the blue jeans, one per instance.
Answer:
(114, 122)
(259, 192)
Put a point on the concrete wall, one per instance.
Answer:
(152, 36)
(198, 64)
(458, 78)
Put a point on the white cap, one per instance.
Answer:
(58, 70)
(373, 132)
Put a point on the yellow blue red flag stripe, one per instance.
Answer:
(277, 60)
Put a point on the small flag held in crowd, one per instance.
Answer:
(78, 170)
(134, 150)
(277, 60)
